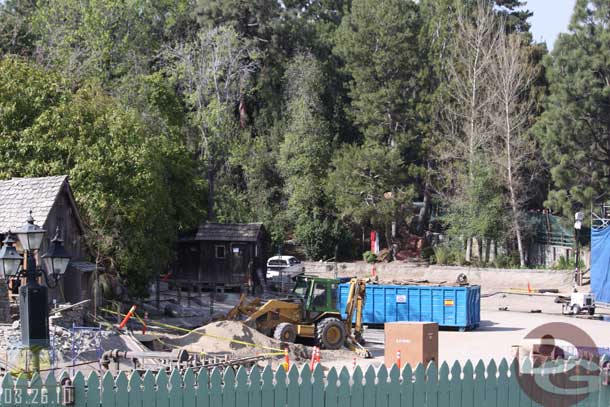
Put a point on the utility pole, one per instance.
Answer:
(578, 218)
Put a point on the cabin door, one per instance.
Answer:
(239, 263)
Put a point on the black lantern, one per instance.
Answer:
(56, 259)
(30, 235)
(10, 260)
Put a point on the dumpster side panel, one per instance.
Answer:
(447, 306)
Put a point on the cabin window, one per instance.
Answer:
(220, 252)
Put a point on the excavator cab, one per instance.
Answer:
(319, 295)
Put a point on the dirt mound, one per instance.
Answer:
(240, 340)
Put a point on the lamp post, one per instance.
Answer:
(578, 219)
(33, 297)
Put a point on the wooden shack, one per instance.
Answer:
(52, 204)
(224, 255)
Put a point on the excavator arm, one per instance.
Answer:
(355, 305)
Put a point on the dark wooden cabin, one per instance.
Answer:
(52, 204)
(223, 255)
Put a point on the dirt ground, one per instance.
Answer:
(495, 339)
(499, 331)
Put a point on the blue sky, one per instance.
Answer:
(550, 18)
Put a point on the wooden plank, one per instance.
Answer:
(135, 390)
(479, 384)
(175, 389)
(20, 398)
(432, 385)
(455, 385)
(525, 368)
(331, 396)
(503, 384)
(306, 388)
(254, 390)
(80, 390)
(444, 385)
(394, 387)
(52, 390)
(369, 387)
(122, 391)
(241, 388)
(8, 391)
(594, 385)
(162, 390)
(514, 390)
(468, 384)
(189, 392)
(108, 399)
(318, 386)
(292, 391)
(381, 390)
(280, 388)
(149, 394)
(215, 388)
(203, 388)
(343, 393)
(419, 386)
(228, 389)
(357, 393)
(406, 388)
(60, 397)
(491, 385)
(93, 390)
(604, 393)
(268, 390)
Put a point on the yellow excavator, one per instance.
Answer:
(310, 311)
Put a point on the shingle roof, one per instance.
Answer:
(20, 195)
(231, 232)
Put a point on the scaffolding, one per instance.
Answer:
(600, 216)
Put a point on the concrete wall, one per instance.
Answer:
(488, 278)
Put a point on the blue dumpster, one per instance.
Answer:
(458, 307)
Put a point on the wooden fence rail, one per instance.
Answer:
(456, 386)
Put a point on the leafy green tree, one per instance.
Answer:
(367, 183)
(212, 72)
(16, 36)
(305, 156)
(133, 185)
(478, 210)
(306, 150)
(378, 44)
(575, 129)
(110, 41)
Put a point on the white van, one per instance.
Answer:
(283, 269)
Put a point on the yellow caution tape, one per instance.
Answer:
(177, 328)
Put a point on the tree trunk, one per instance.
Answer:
(511, 188)
(211, 180)
(423, 216)
(468, 255)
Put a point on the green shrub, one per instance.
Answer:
(427, 253)
(369, 257)
(442, 255)
(501, 261)
(568, 264)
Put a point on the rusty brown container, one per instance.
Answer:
(416, 341)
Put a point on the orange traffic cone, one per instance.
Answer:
(374, 272)
(529, 287)
(286, 363)
(398, 359)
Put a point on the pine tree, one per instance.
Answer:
(575, 129)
